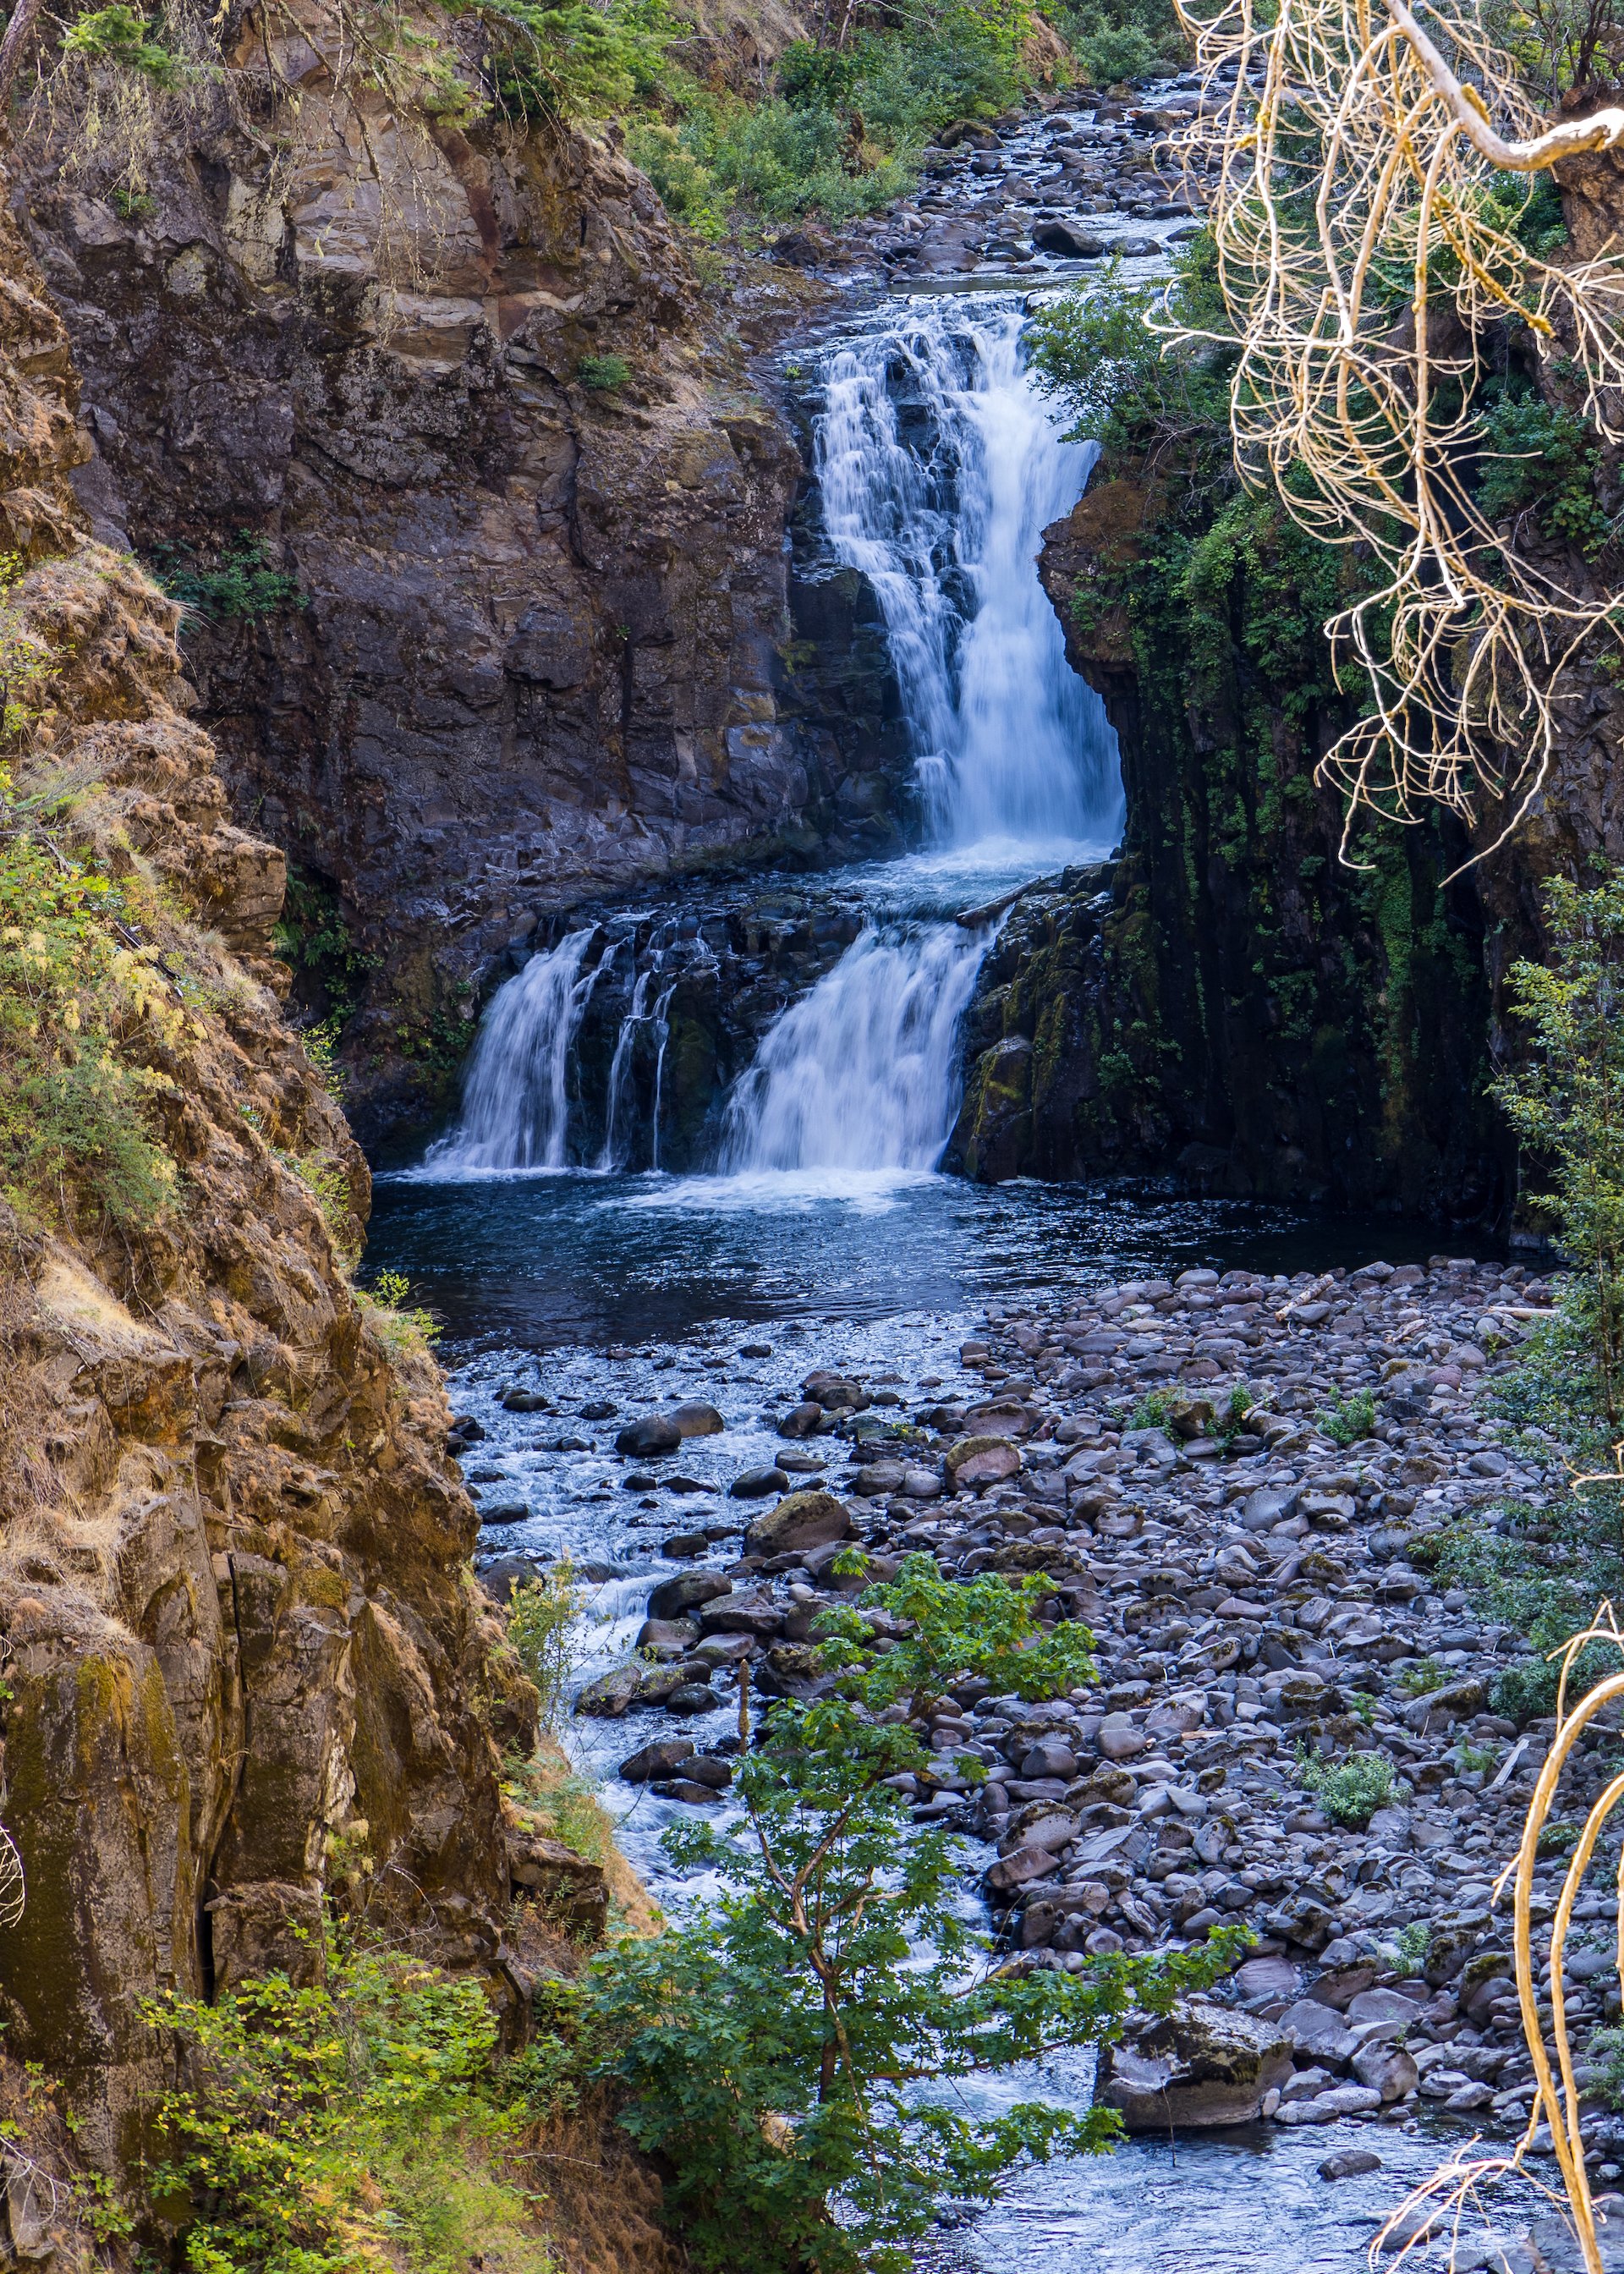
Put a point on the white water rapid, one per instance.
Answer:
(939, 467)
(516, 1099)
(856, 1074)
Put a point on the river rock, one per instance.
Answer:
(1200, 2065)
(982, 1461)
(668, 1638)
(1327, 2107)
(1387, 2069)
(693, 1417)
(833, 1393)
(879, 1479)
(742, 1615)
(504, 1575)
(1118, 1739)
(693, 1697)
(612, 1694)
(1065, 238)
(685, 1592)
(801, 1421)
(659, 1759)
(654, 1432)
(1350, 2163)
(1000, 1417)
(756, 1484)
(801, 1520)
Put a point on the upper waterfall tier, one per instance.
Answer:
(939, 467)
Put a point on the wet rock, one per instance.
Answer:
(655, 1432)
(668, 1638)
(981, 1461)
(801, 1520)
(1000, 1418)
(1327, 2107)
(1069, 240)
(693, 1697)
(659, 1759)
(801, 1421)
(1198, 2066)
(610, 1696)
(756, 1484)
(1350, 2163)
(503, 1512)
(693, 1417)
(685, 1592)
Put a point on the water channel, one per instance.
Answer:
(819, 1231)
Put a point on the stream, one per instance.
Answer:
(815, 1229)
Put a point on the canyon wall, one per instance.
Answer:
(247, 1672)
(516, 621)
(1226, 1001)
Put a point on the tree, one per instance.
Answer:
(1377, 251)
(1566, 1102)
(801, 2053)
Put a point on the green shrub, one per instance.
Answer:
(121, 36)
(1114, 53)
(1349, 1419)
(403, 1325)
(244, 582)
(77, 1007)
(577, 60)
(1352, 1791)
(603, 374)
(543, 1628)
(1412, 1942)
(345, 2129)
(1547, 460)
(689, 190)
(1421, 1679)
(1154, 1411)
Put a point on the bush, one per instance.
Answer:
(244, 582)
(543, 1626)
(121, 36)
(577, 60)
(350, 2125)
(603, 374)
(1115, 53)
(76, 1004)
(1547, 461)
(1349, 1419)
(1350, 1791)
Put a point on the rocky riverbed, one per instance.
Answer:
(1264, 1599)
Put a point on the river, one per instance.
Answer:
(819, 1232)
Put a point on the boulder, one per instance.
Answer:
(879, 1479)
(695, 1419)
(693, 1697)
(1000, 1417)
(801, 1520)
(833, 1393)
(659, 1759)
(685, 1592)
(982, 1461)
(1318, 2030)
(1067, 240)
(705, 1768)
(801, 1421)
(654, 1432)
(1387, 2069)
(610, 1696)
(1327, 2107)
(756, 1484)
(1118, 1739)
(667, 1638)
(1200, 2064)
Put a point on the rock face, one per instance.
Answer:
(1199, 2065)
(525, 642)
(247, 1669)
(1224, 998)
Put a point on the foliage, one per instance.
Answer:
(1153, 1409)
(1349, 1418)
(799, 2055)
(1352, 1791)
(842, 132)
(1412, 1942)
(577, 59)
(1123, 386)
(1566, 1103)
(79, 996)
(603, 374)
(1231, 1418)
(350, 2125)
(324, 1175)
(122, 35)
(986, 1626)
(244, 583)
(1421, 1679)
(331, 972)
(1606, 2054)
(795, 2051)
(403, 1325)
(1118, 39)
(543, 1626)
(1544, 459)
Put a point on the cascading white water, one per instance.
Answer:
(515, 1101)
(939, 467)
(860, 1072)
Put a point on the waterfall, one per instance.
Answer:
(939, 468)
(862, 1073)
(515, 1101)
